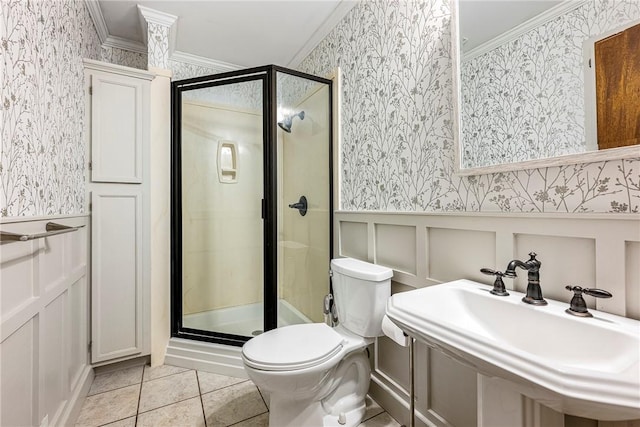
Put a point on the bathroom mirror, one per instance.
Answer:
(525, 82)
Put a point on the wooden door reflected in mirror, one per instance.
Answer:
(617, 62)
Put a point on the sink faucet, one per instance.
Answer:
(532, 265)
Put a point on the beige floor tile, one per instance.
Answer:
(187, 413)
(373, 409)
(110, 406)
(259, 421)
(127, 422)
(210, 382)
(161, 371)
(167, 390)
(232, 404)
(382, 420)
(116, 379)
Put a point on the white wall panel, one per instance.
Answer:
(353, 240)
(451, 251)
(395, 247)
(17, 276)
(18, 399)
(43, 349)
(53, 266)
(452, 389)
(632, 279)
(52, 337)
(78, 323)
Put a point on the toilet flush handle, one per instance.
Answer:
(328, 301)
(334, 315)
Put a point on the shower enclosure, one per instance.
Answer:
(251, 202)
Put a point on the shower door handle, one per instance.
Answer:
(301, 205)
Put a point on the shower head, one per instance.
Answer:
(286, 123)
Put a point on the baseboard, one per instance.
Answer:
(203, 356)
(111, 366)
(76, 400)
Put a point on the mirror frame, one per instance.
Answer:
(630, 152)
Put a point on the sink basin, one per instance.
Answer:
(588, 367)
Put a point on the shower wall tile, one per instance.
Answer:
(222, 225)
(397, 134)
(305, 240)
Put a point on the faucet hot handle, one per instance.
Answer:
(578, 307)
(598, 293)
(498, 286)
(491, 272)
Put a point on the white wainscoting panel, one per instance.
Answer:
(632, 278)
(45, 371)
(395, 242)
(354, 241)
(591, 250)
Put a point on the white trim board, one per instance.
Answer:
(204, 356)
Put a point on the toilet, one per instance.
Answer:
(316, 375)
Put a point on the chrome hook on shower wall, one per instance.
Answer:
(301, 205)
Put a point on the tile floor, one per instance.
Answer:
(171, 396)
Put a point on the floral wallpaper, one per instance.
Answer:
(397, 137)
(397, 152)
(42, 150)
(42, 155)
(158, 45)
(525, 99)
(124, 57)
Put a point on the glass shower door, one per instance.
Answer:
(222, 144)
(304, 204)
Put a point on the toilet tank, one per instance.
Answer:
(360, 292)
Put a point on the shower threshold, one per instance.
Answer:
(244, 320)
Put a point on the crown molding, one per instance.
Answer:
(525, 27)
(98, 19)
(147, 15)
(157, 17)
(337, 15)
(202, 61)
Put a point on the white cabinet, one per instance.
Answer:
(118, 190)
(117, 127)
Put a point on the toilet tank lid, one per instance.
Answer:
(360, 269)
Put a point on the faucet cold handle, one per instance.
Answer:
(498, 286)
(578, 307)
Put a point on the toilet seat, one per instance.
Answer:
(292, 347)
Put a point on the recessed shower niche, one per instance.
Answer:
(245, 146)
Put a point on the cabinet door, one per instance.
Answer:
(116, 273)
(116, 128)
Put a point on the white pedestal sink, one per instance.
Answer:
(588, 367)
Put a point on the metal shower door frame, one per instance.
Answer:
(266, 74)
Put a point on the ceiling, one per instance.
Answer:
(484, 20)
(244, 33)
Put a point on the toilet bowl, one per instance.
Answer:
(316, 375)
